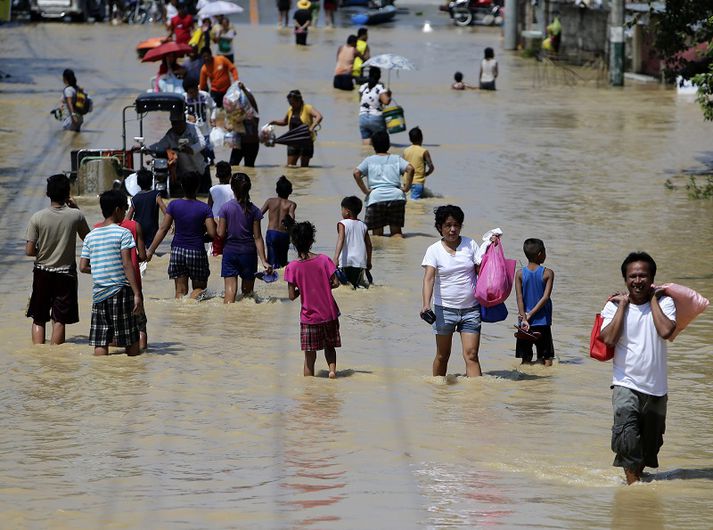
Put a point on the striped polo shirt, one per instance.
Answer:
(102, 247)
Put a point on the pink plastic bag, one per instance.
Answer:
(689, 304)
(496, 276)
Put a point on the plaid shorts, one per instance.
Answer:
(319, 336)
(188, 262)
(387, 213)
(113, 320)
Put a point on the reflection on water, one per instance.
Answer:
(216, 428)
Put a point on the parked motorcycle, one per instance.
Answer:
(142, 11)
(465, 12)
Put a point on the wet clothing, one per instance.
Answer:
(312, 278)
(385, 213)
(113, 320)
(146, 213)
(370, 102)
(544, 345)
(70, 93)
(239, 264)
(451, 320)
(300, 17)
(247, 151)
(358, 61)
(639, 426)
(343, 71)
(314, 337)
(640, 385)
(191, 263)
(278, 246)
(487, 77)
(54, 297)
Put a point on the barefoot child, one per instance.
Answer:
(217, 197)
(313, 276)
(353, 252)
(116, 299)
(239, 225)
(533, 285)
(281, 216)
(421, 161)
(189, 259)
(145, 206)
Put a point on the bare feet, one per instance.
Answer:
(632, 475)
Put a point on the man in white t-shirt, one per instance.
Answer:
(637, 324)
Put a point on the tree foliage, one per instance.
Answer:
(683, 25)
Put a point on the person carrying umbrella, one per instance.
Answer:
(300, 115)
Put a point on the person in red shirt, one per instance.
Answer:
(218, 70)
(181, 25)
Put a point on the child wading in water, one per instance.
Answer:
(353, 252)
(281, 217)
(421, 161)
(533, 285)
(313, 277)
(217, 197)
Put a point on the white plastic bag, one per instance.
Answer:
(217, 137)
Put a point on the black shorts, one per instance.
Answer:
(54, 297)
(545, 346)
(387, 213)
(303, 150)
(113, 320)
(343, 82)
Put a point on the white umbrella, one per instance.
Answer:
(219, 7)
(390, 61)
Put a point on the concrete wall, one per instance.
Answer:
(584, 32)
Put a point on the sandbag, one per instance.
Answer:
(689, 304)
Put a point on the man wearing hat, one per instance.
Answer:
(303, 19)
(188, 142)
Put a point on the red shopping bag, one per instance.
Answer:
(598, 349)
(496, 276)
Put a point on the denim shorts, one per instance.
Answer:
(450, 320)
(368, 125)
(416, 191)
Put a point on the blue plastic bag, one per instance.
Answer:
(496, 313)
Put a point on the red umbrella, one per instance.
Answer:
(162, 51)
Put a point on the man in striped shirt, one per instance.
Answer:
(116, 301)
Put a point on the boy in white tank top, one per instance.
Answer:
(353, 252)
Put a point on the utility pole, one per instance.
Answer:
(616, 43)
(510, 24)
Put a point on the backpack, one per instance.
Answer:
(83, 104)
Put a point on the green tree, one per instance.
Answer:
(684, 24)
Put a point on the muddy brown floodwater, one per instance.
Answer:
(216, 428)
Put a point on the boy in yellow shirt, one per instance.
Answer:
(421, 161)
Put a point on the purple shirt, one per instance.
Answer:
(312, 279)
(189, 217)
(239, 238)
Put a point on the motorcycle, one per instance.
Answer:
(142, 11)
(486, 12)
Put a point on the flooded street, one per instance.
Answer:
(215, 427)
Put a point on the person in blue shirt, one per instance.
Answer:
(533, 286)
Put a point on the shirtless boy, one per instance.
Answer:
(281, 217)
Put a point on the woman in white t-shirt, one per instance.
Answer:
(373, 97)
(450, 271)
(72, 119)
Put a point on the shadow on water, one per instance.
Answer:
(680, 474)
(514, 375)
(342, 373)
